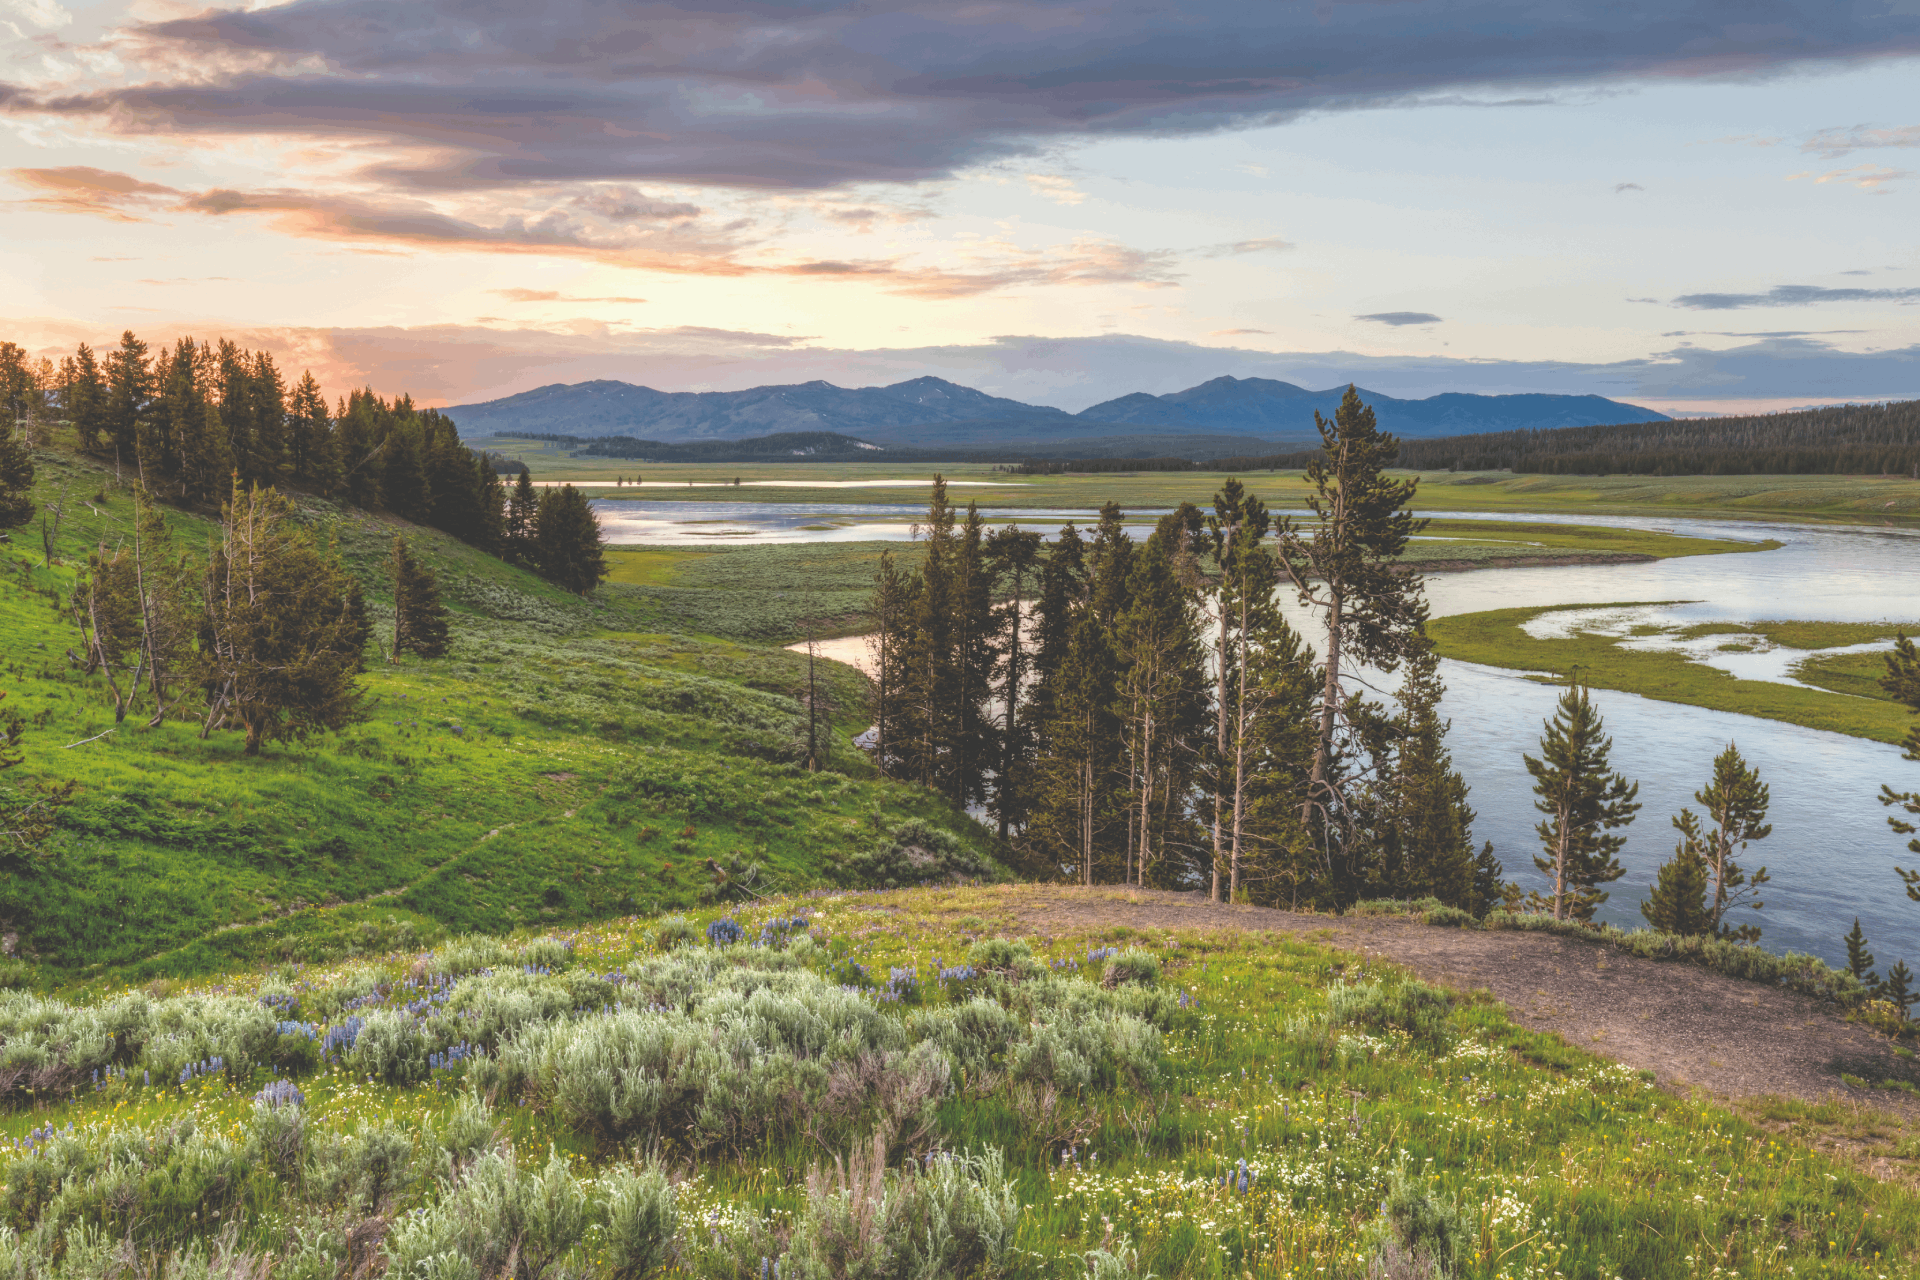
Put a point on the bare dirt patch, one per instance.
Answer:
(1689, 1026)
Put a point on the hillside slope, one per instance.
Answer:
(563, 764)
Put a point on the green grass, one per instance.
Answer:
(1561, 1162)
(1495, 638)
(1890, 500)
(485, 791)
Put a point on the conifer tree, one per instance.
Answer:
(18, 387)
(1162, 690)
(1898, 990)
(1078, 804)
(284, 631)
(1859, 959)
(360, 430)
(169, 621)
(1583, 801)
(1062, 592)
(568, 544)
(129, 397)
(419, 619)
(106, 607)
(891, 609)
(1903, 682)
(310, 452)
(1736, 804)
(84, 397)
(1236, 529)
(1344, 566)
(971, 751)
(1677, 902)
(1429, 817)
(930, 716)
(16, 483)
(522, 519)
(1012, 553)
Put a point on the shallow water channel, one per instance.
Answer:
(1831, 854)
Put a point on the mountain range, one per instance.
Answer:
(930, 412)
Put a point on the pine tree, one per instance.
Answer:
(522, 519)
(1347, 569)
(105, 606)
(971, 751)
(361, 429)
(1859, 959)
(18, 389)
(1013, 553)
(1898, 990)
(16, 483)
(1079, 804)
(930, 716)
(1736, 803)
(1678, 901)
(568, 545)
(310, 452)
(1236, 529)
(1062, 592)
(84, 397)
(1903, 682)
(1162, 690)
(419, 619)
(129, 397)
(1431, 821)
(1489, 889)
(1582, 800)
(282, 637)
(891, 609)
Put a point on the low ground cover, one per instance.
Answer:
(1497, 638)
(1105, 1102)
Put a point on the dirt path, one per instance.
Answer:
(1688, 1026)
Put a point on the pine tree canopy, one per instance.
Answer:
(1584, 801)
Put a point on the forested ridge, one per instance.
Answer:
(190, 423)
(1852, 439)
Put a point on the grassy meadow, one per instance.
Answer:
(1248, 1105)
(1849, 699)
(569, 761)
(1893, 500)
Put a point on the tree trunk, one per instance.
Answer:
(1220, 740)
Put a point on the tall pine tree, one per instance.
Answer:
(1584, 801)
(570, 549)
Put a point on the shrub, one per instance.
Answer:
(547, 953)
(496, 1221)
(1417, 1235)
(674, 931)
(1452, 917)
(641, 1222)
(470, 954)
(953, 1215)
(1013, 959)
(1131, 966)
(15, 974)
(1413, 1007)
(912, 853)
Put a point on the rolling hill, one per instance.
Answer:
(932, 413)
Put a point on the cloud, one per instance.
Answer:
(822, 94)
(1831, 144)
(1398, 318)
(1868, 177)
(678, 247)
(1235, 248)
(1229, 333)
(1056, 188)
(1620, 187)
(550, 295)
(1790, 295)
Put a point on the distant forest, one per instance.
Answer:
(1853, 439)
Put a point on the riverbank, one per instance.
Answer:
(777, 592)
(1612, 646)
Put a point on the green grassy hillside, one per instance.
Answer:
(1106, 1103)
(566, 762)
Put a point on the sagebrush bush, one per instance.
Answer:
(674, 931)
(948, 1215)
(914, 852)
(1132, 965)
(1417, 1235)
(1421, 1011)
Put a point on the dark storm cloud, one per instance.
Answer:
(813, 94)
(1790, 295)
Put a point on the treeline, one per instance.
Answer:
(1854, 439)
(1126, 717)
(189, 421)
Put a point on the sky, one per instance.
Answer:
(1694, 206)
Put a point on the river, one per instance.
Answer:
(1831, 854)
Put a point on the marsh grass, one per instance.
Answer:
(1496, 638)
(1535, 1157)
